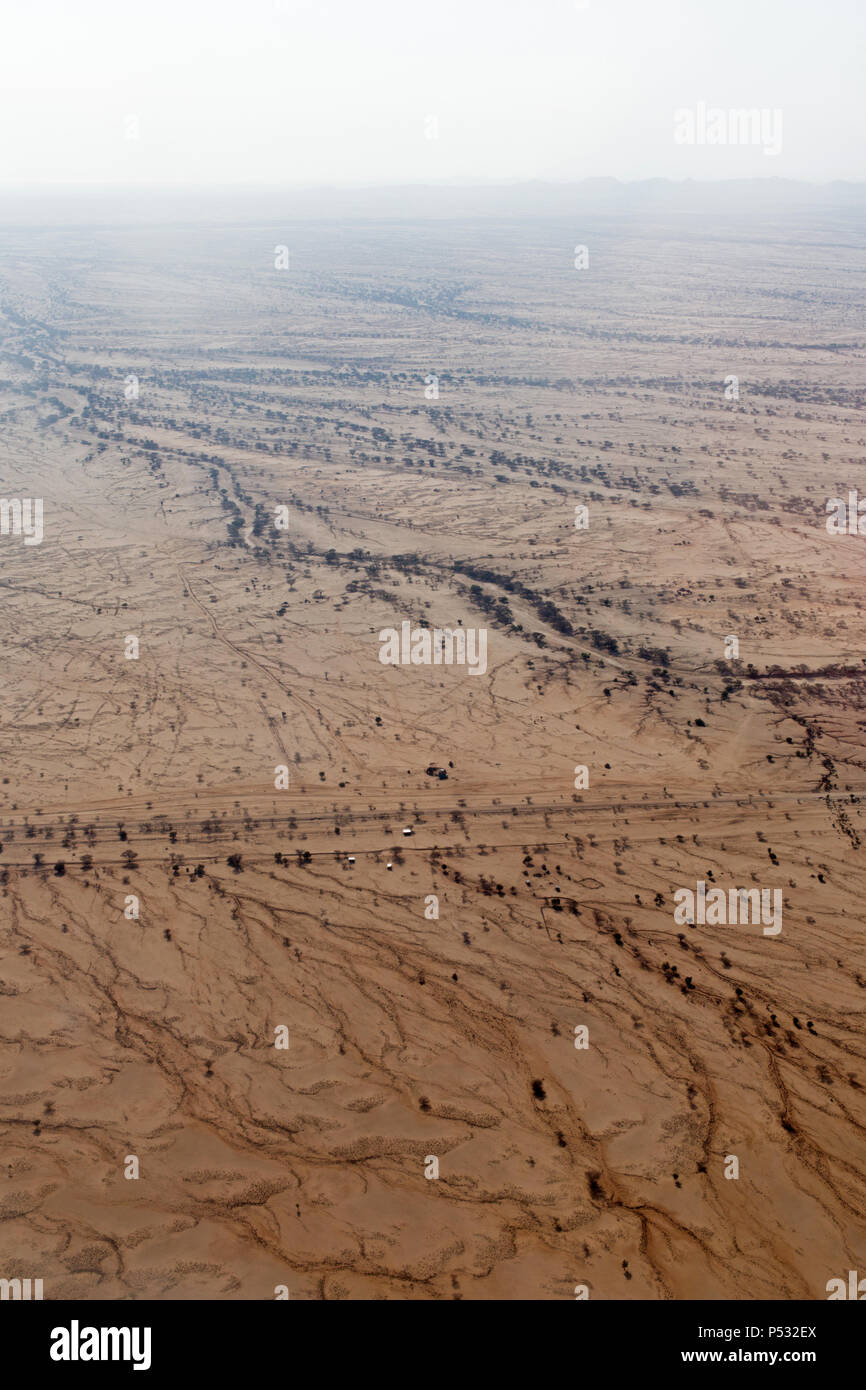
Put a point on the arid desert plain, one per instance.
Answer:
(256, 1041)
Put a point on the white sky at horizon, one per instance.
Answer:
(325, 92)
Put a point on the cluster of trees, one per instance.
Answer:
(544, 607)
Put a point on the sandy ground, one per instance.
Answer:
(414, 1037)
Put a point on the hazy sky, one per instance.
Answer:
(391, 91)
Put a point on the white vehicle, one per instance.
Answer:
(408, 830)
